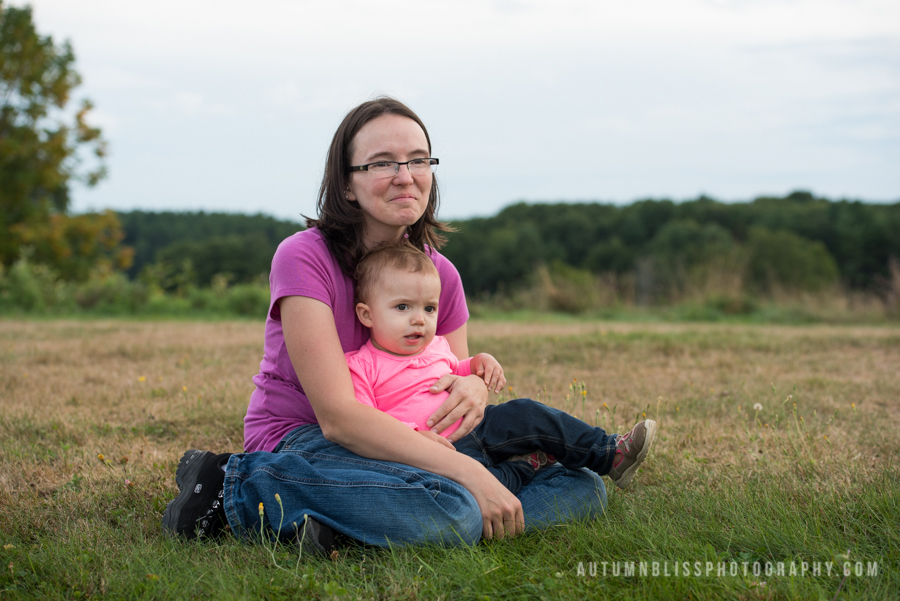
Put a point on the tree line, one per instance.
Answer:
(797, 242)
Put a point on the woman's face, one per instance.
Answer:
(390, 204)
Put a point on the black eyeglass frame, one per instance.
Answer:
(397, 163)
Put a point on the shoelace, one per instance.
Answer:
(205, 521)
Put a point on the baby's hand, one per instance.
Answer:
(436, 438)
(487, 367)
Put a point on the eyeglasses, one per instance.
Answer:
(392, 168)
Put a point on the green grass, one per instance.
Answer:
(812, 476)
(109, 544)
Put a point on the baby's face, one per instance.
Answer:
(402, 311)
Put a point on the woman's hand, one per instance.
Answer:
(467, 400)
(501, 511)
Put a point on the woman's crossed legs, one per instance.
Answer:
(378, 502)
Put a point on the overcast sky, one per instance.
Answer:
(230, 105)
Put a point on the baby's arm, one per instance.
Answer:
(486, 366)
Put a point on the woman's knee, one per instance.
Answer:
(455, 520)
(560, 495)
(469, 524)
(592, 489)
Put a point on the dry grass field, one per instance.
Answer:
(94, 416)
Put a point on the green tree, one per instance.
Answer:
(78, 246)
(39, 141)
(240, 258)
(782, 259)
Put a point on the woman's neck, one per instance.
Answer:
(374, 237)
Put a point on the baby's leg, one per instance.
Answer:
(513, 474)
(522, 426)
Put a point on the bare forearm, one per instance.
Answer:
(371, 433)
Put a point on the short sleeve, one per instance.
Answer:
(362, 386)
(302, 266)
(453, 312)
(464, 368)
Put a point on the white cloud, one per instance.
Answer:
(114, 77)
(107, 122)
(189, 103)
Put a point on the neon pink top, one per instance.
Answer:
(303, 266)
(399, 385)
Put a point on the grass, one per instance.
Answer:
(811, 475)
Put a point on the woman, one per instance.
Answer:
(334, 462)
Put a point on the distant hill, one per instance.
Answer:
(798, 241)
(240, 245)
(666, 237)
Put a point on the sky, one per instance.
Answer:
(230, 105)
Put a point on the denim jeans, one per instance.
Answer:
(521, 426)
(380, 502)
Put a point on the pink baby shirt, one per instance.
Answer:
(399, 385)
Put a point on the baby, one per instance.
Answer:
(398, 289)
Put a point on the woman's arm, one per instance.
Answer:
(316, 354)
(468, 396)
(458, 340)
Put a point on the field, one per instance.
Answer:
(777, 451)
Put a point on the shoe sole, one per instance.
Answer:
(649, 436)
(186, 479)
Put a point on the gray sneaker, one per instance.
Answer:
(633, 447)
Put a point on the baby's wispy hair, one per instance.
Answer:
(402, 256)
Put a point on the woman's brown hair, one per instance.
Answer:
(340, 220)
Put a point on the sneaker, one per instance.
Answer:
(315, 537)
(537, 459)
(197, 510)
(631, 449)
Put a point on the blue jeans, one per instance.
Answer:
(380, 502)
(522, 426)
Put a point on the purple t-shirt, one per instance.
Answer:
(303, 266)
